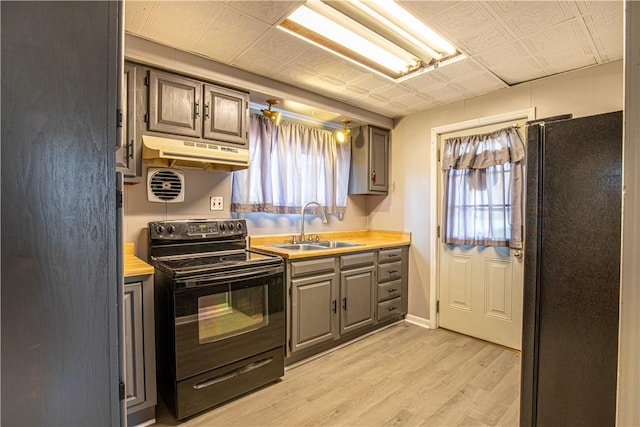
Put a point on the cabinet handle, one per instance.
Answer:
(206, 110)
(392, 255)
(391, 308)
(393, 271)
(130, 149)
(392, 290)
(197, 109)
(335, 306)
(344, 303)
(374, 176)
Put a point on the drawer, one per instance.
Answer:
(389, 308)
(356, 260)
(389, 290)
(388, 255)
(320, 265)
(389, 271)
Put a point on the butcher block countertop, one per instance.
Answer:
(134, 266)
(368, 239)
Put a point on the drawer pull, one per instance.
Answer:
(391, 308)
(392, 255)
(393, 271)
(391, 290)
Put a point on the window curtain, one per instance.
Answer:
(291, 164)
(483, 189)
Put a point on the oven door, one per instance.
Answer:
(227, 317)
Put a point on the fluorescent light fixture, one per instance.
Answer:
(377, 34)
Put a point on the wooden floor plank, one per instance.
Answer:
(404, 375)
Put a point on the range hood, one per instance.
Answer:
(170, 152)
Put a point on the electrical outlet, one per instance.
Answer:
(216, 203)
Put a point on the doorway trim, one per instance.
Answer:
(434, 275)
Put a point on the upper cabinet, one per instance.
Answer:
(183, 106)
(226, 115)
(127, 155)
(174, 104)
(369, 160)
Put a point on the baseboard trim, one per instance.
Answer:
(415, 320)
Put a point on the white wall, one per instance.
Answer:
(582, 93)
(199, 186)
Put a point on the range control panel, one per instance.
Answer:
(197, 229)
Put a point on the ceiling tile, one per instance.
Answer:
(606, 30)
(512, 63)
(271, 12)
(537, 16)
(561, 48)
(280, 45)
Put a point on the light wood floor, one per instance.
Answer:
(404, 375)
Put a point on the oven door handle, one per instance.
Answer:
(232, 374)
(228, 277)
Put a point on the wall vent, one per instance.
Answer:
(165, 185)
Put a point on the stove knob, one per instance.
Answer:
(230, 226)
(171, 229)
(239, 226)
(223, 227)
(160, 229)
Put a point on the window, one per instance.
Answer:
(291, 164)
(483, 189)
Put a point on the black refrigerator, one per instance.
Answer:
(572, 271)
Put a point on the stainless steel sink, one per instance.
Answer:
(326, 244)
(337, 244)
(300, 246)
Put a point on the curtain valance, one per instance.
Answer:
(483, 150)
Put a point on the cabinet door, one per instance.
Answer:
(378, 159)
(314, 311)
(357, 292)
(126, 158)
(174, 104)
(133, 344)
(226, 115)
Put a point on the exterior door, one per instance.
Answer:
(481, 287)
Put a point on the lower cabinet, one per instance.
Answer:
(139, 348)
(335, 299)
(357, 291)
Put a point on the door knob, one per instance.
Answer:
(517, 253)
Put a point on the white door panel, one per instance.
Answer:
(481, 287)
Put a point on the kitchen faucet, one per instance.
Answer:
(324, 218)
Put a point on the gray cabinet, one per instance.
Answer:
(313, 310)
(357, 291)
(174, 104)
(127, 154)
(392, 283)
(369, 172)
(139, 349)
(226, 115)
(183, 106)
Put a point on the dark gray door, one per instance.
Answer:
(314, 309)
(378, 159)
(226, 115)
(174, 104)
(126, 155)
(570, 329)
(59, 240)
(357, 293)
